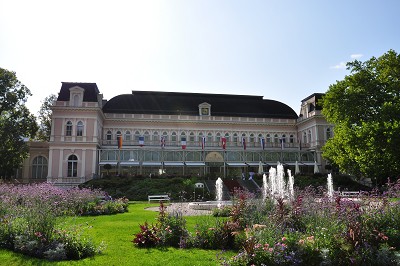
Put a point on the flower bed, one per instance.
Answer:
(308, 230)
(32, 220)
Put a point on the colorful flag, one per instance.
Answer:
(119, 140)
(244, 143)
(262, 143)
(141, 140)
(223, 142)
(203, 142)
(162, 142)
(183, 143)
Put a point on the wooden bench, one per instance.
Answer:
(159, 198)
(350, 194)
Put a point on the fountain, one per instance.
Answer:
(275, 186)
(209, 205)
(218, 186)
(265, 188)
(290, 184)
(330, 186)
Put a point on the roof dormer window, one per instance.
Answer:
(76, 96)
(204, 109)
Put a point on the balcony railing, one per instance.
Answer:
(196, 144)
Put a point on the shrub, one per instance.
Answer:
(172, 227)
(215, 234)
(30, 216)
(147, 237)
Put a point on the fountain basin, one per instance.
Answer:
(209, 205)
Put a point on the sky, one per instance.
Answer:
(283, 50)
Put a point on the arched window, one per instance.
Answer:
(191, 137)
(210, 138)
(309, 136)
(291, 139)
(305, 137)
(156, 138)
(276, 138)
(235, 139)
(39, 167)
(128, 135)
(173, 137)
(68, 129)
(146, 137)
(76, 100)
(218, 138)
(118, 134)
(268, 139)
(284, 138)
(72, 166)
(165, 135)
(328, 133)
(228, 137)
(109, 135)
(260, 136)
(79, 129)
(137, 135)
(251, 138)
(183, 136)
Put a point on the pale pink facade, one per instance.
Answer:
(84, 139)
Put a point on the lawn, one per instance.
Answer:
(117, 232)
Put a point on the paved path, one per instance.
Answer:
(183, 207)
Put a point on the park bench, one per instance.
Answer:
(159, 198)
(350, 194)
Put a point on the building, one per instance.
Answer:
(166, 133)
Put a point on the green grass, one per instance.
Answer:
(117, 231)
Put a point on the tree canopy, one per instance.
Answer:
(45, 118)
(16, 123)
(365, 109)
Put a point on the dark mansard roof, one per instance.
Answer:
(176, 103)
(89, 95)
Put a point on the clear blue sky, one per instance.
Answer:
(283, 50)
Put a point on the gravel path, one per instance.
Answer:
(184, 208)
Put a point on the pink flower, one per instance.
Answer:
(284, 239)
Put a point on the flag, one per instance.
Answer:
(183, 143)
(141, 141)
(223, 142)
(262, 143)
(119, 141)
(244, 143)
(203, 142)
(162, 142)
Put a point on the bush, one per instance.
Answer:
(30, 216)
(147, 237)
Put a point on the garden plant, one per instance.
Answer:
(310, 229)
(33, 220)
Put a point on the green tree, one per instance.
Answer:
(45, 118)
(365, 109)
(16, 123)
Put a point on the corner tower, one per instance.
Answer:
(77, 122)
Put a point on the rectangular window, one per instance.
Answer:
(68, 131)
(72, 169)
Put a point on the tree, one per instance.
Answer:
(16, 123)
(365, 109)
(45, 118)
